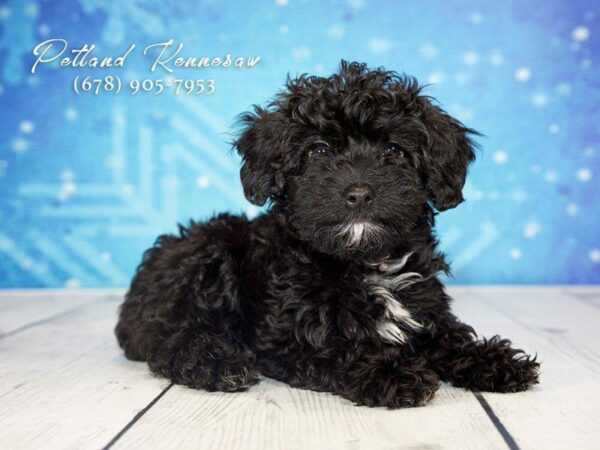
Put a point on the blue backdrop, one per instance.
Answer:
(87, 182)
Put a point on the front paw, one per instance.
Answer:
(413, 387)
(496, 367)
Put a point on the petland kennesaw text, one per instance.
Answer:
(167, 56)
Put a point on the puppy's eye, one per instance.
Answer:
(392, 149)
(319, 149)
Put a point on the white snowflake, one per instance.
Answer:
(336, 32)
(105, 256)
(128, 191)
(203, 182)
(428, 50)
(476, 18)
(26, 127)
(356, 4)
(589, 151)
(519, 195)
(4, 12)
(584, 174)
(44, 30)
(113, 162)
(281, 2)
(476, 194)
(551, 176)
(301, 53)
(33, 81)
(67, 189)
(252, 212)
(563, 88)
(71, 114)
(26, 263)
(580, 33)
(594, 255)
(31, 10)
(119, 119)
(435, 78)
(470, 58)
(523, 74)
(20, 145)
(5, 244)
(500, 157)
(284, 29)
(531, 229)
(539, 100)
(379, 45)
(516, 253)
(586, 63)
(553, 128)
(572, 209)
(463, 113)
(67, 175)
(461, 77)
(72, 283)
(496, 58)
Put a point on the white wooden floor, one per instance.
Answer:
(65, 384)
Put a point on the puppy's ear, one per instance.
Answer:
(448, 155)
(260, 146)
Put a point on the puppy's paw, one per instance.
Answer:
(233, 378)
(497, 367)
(417, 396)
(235, 374)
(511, 375)
(405, 389)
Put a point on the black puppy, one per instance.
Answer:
(334, 288)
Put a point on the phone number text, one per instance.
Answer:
(114, 84)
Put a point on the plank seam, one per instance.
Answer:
(137, 417)
(583, 299)
(51, 318)
(508, 439)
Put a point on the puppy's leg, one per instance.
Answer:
(183, 311)
(390, 381)
(481, 365)
(381, 379)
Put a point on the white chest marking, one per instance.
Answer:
(384, 283)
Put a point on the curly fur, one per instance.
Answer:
(318, 292)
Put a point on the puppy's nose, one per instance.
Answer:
(358, 196)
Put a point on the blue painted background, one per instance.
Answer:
(86, 183)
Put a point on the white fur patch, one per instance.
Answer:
(388, 280)
(357, 232)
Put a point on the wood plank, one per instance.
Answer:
(564, 410)
(272, 416)
(65, 384)
(25, 308)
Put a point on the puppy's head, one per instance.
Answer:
(353, 161)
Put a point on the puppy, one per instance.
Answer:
(335, 287)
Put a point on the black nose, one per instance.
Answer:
(358, 196)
